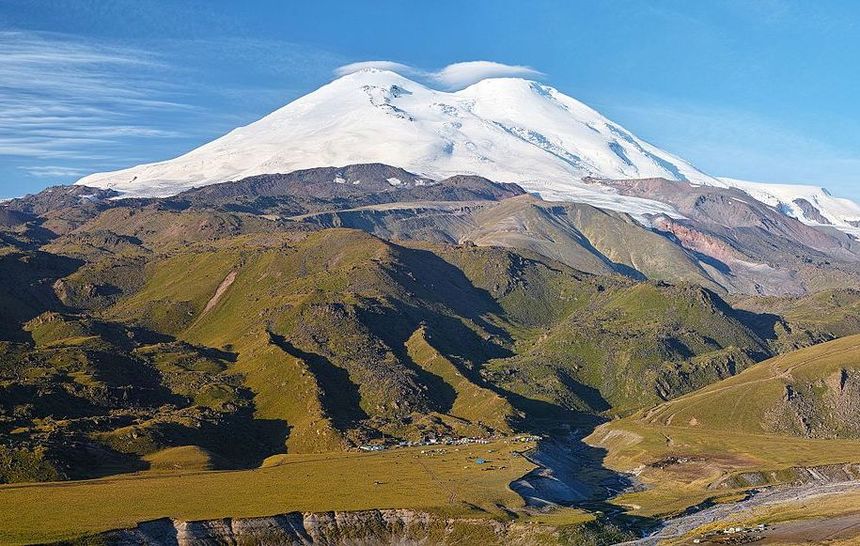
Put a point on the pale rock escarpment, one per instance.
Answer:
(361, 528)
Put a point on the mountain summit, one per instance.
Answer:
(506, 129)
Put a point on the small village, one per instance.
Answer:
(445, 441)
(733, 535)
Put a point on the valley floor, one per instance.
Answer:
(469, 483)
(450, 480)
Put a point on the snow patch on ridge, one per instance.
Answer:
(842, 214)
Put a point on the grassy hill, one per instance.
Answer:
(322, 340)
(801, 321)
(764, 425)
(323, 332)
(88, 397)
(811, 392)
(632, 346)
(526, 320)
(586, 238)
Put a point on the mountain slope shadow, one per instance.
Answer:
(763, 324)
(586, 393)
(450, 337)
(240, 440)
(436, 281)
(340, 395)
(26, 288)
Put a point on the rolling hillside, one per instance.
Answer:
(812, 392)
(792, 418)
(311, 340)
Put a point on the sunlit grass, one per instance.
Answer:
(448, 481)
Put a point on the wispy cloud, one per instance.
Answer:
(453, 76)
(59, 97)
(53, 171)
(462, 74)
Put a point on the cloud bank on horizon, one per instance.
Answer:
(451, 77)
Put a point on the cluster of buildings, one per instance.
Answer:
(445, 441)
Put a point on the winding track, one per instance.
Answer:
(683, 525)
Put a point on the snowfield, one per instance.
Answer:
(505, 129)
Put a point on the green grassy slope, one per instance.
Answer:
(319, 328)
(631, 346)
(447, 482)
(312, 341)
(801, 321)
(809, 392)
(471, 403)
(345, 305)
(796, 410)
(88, 397)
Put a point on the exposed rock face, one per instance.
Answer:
(60, 197)
(811, 212)
(441, 221)
(698, 241)
(362, 184)
(363, 528)
(745, 245)
(11, 218)
(827, 408)
(736, 216)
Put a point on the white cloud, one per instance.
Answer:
(51, 171)
(453, 76)
(459, 75)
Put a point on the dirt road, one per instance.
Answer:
(683, 525)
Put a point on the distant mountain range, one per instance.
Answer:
(718, 237)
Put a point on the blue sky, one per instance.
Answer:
(765, 90)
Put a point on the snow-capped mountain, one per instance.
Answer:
(506, 129)
(811, 205)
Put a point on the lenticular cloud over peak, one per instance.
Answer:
(459, 75)
(452, 77)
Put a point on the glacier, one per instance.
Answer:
(505, 129)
